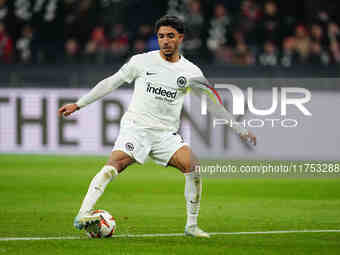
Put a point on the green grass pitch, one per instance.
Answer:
(40, 195)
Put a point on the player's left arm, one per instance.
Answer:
(201, 86)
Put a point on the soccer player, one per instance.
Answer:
(150, 125)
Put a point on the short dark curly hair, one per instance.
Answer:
(170, 21)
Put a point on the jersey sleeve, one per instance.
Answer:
(201, 86)
(129, 71)
(101, 89)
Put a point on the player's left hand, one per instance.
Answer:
(250, 138)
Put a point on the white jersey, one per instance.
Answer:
(159, 92)
(160, 87)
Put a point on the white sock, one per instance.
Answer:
(97, 187)
(192, 193)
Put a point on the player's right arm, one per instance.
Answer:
(127, 73)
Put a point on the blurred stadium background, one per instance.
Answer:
(39, 38)
(53, 51)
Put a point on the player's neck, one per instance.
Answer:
(173, 58)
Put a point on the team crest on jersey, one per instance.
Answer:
(129, 146)
(181, 82)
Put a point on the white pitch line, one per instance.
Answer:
(39, 238)
(173, 234)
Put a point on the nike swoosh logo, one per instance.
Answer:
(149, 73)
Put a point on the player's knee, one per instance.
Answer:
(109, 172)
(191, 167)
(120, 160)
(186, 166)
(118, 165)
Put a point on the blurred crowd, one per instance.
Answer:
(232, 32)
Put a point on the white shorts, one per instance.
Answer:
(139, 143)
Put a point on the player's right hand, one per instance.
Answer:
(67, 109)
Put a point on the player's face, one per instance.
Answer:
(169, 40)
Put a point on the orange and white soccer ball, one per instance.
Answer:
(104, 228)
